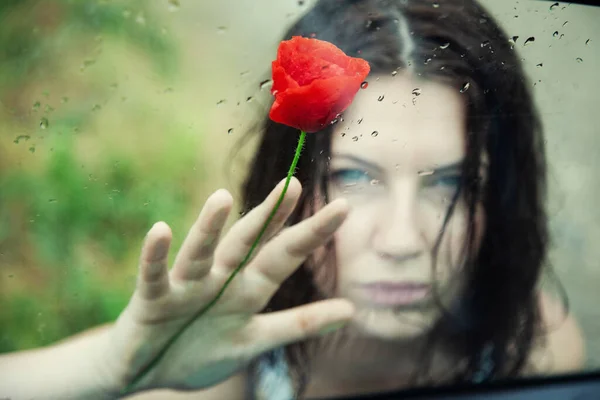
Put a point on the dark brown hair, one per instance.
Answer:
(458, 43)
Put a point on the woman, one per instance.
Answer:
(431, 186)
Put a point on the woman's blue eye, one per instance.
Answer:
(451, 181)
(350, 176)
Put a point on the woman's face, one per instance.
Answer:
(396, 157)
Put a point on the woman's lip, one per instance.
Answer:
(395, 293)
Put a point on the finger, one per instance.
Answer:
(153, 279)
(279, 258)
(235, 245)
(195, 258)
(279, 328)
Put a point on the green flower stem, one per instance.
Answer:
(205, 309)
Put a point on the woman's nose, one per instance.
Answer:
(398, 236)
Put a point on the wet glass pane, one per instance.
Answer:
(448, 206)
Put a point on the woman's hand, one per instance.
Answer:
(227, 337)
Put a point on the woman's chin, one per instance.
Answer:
(390, 324)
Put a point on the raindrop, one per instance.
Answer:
(427, 61)
(445, 45)
(436, 5)
(565, 24)
(465, 87)
(554, 5)
(530, 39)
(97, 107)
(540, 65)
(174, 5)
(364, 85)
(36, 106)
(229, 131)
(425, 172)
(64, 100)
(555, 34)
(485, 43)
(52, 200)
(380, 98)
(355, 138)
(126, 13)
(561, 35)
(48, 109)
(359, 121)
(21, 137)
(395, 72)
(374, 182)
(221, 29)
(222, 101)
(44, 123)
(587, 41)
(264, 84)
(140, 19)
(374, 134)
(579, 59)
(300, 3)
(249, 99)
(243, 73)
(32, 149)
(416, 92)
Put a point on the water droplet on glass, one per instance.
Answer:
(395, 72)
(445, 45)
(355, 138)
(540, 65)
(554, 5)
(587, 41)
(300, 3)
(555, 34)
(32, 149)
(359, 121)
(374, 182)
(140, 19)
(380, 98)
(44, 123)
(249, 99)
(343, 134)
(64, 100)
(97, 107)
(264, 84)
(221, 29)
(21, 137)
(126, 13)
(364, 85)
(436, 5)
(465, 87)
(566, 22)
(416, 92)
(530, 39)
(174, 5)
(374, 134)
(52, 201)
(425, 172)
(579, 59)
(222, 101)
(561, 36)
(485, 43)
(229, 131)
(36, 106)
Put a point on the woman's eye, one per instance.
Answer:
(348, 178)
(349, 175)
(448, 181)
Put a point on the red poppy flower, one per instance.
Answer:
(313, 82)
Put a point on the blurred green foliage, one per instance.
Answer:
(71, 226)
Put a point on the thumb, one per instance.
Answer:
(283, 327)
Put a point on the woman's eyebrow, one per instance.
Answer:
(358, 160)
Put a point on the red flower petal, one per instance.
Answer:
(313, 82)
(311, 108)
